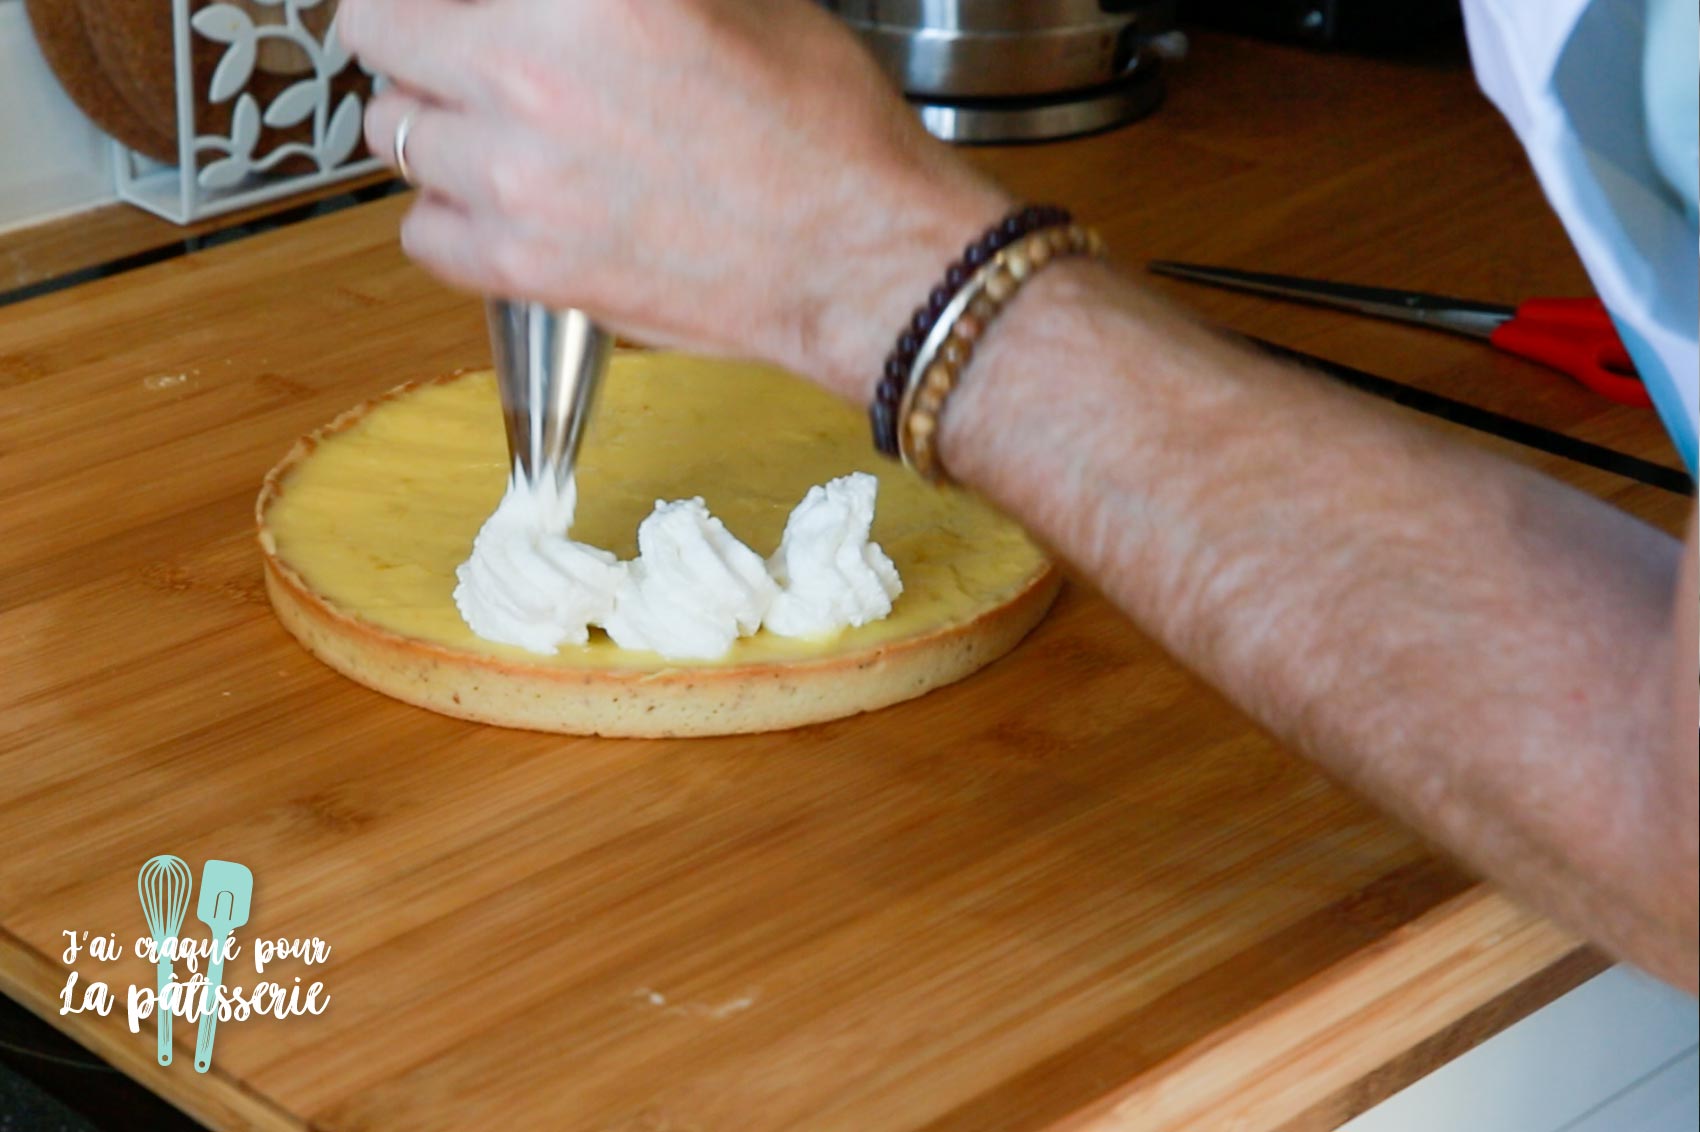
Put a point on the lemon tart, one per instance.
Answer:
(363, 524)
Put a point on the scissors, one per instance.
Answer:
(1573, 336)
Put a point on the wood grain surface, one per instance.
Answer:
(1077, 891)
(91, 239)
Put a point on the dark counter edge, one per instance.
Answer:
(49, 1083)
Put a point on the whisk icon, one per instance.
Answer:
(164, 885)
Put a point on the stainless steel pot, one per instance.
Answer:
(994, 70)
(999, 48)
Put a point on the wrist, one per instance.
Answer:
(881, 268)
(1056, 317)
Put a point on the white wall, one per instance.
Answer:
(1617, 1054)
(52, 159)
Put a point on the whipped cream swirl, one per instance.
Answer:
(694, 588)
(527, 583)
(692, 591)
(830, 575)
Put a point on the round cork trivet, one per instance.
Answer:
(65, 45)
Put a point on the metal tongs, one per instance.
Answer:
(549, 365)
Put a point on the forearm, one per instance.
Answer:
(1485, 651)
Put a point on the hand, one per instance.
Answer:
(732, 176)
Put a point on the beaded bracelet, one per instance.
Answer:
(900, 363)
(948, 346)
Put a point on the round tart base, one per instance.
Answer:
(668, 702)
(600, 689)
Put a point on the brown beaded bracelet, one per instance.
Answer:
(949, 345)
(883, 414)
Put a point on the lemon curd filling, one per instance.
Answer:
(378, 520)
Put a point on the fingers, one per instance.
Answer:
(498, 257)
(430, 46)
(473, 163)
(445, 240)
(384, 115)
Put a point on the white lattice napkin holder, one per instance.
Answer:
(238, 177)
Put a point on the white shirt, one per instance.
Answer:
(1579, 86)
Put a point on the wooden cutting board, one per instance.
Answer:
(1076, 891)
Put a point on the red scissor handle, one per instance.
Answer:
(1576, 337)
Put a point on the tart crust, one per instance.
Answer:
(658, 701)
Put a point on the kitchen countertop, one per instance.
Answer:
(1077, 891)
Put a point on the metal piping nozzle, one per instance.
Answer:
(549, 364)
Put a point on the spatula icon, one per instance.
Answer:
(227, 890)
